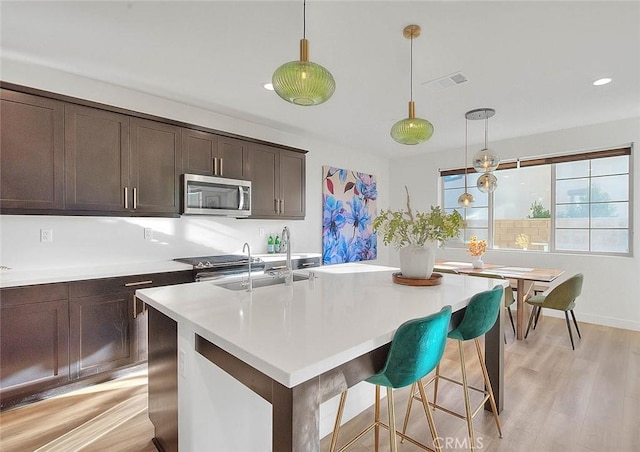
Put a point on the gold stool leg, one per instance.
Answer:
(427, 410)
(487, 383)
(409, 405)
(336, 427)
(377, 419)
(467, 404)
(392, 421)
(435, 385)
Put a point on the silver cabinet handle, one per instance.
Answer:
(138, 283)
(135, 307)
(215, 166)
(135, 198)
(282, 206)
(276, 205)
(221, 167)
(126, 198)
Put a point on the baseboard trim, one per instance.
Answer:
(596, 319)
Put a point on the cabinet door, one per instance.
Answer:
(292, 184)
(262, 169)
(156, 165)
(102, 333)
(32, 157)
(96, 159)
(199, 151)
(34, 343)
(230, 157)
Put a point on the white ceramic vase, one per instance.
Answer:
(477, 262)
(416, 261)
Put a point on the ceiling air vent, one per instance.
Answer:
(457, 78)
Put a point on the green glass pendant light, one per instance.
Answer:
(303, 82)
(411, 130)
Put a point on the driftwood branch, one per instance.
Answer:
(409, 213)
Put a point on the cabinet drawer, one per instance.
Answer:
(127, 283)
(15, 296)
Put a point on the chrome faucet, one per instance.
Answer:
(248, 248)
(286, 243)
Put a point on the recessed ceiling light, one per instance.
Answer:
(602, 81)
(268, 85)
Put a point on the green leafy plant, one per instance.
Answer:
(538, 211)
(402, 228)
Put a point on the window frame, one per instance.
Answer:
(625, 150)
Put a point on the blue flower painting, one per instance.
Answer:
(348, 211)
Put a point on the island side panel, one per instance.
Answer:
(163, 380)
(494, 359)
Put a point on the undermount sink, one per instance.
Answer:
(260, 282)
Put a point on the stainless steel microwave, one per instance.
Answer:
(207, 195)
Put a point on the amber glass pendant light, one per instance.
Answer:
(303, 82)
(411, 130)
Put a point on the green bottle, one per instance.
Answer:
(277, 244)
(270, 244)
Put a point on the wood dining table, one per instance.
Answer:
(524, 277)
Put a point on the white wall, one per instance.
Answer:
(610, 292)
(80, 241)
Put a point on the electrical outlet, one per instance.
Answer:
(46, 235)
(261, 232)
(148, 234)
(181, 363)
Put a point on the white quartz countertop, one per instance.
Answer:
(293, 333)
(15, 278)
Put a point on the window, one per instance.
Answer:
(572, 203)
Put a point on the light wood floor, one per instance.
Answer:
(556, 400)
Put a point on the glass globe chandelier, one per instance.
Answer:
(303, 82)
(485, 161)
(466, 199)
(411, 130)
(487, 183)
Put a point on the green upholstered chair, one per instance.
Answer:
(416, 349)
(561, 298)
(480, 316)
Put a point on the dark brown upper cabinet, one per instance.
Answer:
(156, 165)
(32, 152)
(66, 156)
(278, 182)
(97, 168)
(212, 155)
(116, 163)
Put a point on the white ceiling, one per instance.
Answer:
(534, 62)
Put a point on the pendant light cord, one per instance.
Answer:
(466, 138)
(304, 19)
(486, 128)
(411, 66)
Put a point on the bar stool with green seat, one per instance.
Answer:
(509, 298)
(562, 298)
(416, 349)
(480, 316)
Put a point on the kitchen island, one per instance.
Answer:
(254, 367)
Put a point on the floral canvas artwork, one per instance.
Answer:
(348, 211)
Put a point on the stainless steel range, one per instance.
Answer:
(207, 268)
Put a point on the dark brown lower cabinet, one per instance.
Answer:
(56, 334)
(34, 342)
(103, 333)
